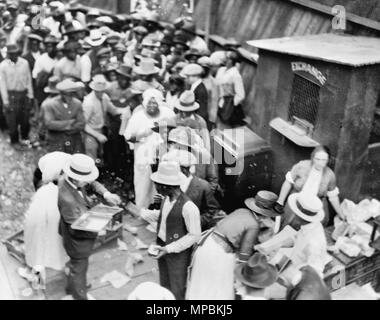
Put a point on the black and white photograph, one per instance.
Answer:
(190, 150)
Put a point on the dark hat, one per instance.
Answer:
(263, 203)
(189, 26)
(180, 40)
(167, 40)
(124, 70)
(13, 48)
(120, 47)
(257, 272)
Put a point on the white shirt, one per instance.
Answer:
(186, 183)
(43, 63)
(313, 182)
(86, 67)
(196, 84)
(191, 215)
(171, 100)
(230, 83)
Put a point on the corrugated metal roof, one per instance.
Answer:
(341, 49)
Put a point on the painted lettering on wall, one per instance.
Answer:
(305, 67)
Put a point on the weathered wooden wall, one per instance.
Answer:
(110, 5)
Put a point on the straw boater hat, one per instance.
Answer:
(52, 85)
(183, 157)
(99, 83)
(146, 67)
(51, 39)
(139, 87)
(263, 203)
(69, 85)
(186, 102)
(168, 173)
(191, 69)
(96, 38)
(306, 206)
(146, 53)
(82, 168)
(184, 136)
(256, 272)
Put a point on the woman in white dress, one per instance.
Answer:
(43, 244)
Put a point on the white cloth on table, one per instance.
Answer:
(212, 273)
(43, 244)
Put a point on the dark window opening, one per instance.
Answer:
(304, 101)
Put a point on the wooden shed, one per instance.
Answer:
(317, 89)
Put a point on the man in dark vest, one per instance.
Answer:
(178, 228)
(73, 201)
(197, 189)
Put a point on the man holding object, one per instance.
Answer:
(72, 203)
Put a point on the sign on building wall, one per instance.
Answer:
(303, 67)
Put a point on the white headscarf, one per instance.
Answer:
(152, 93)
(52, 164)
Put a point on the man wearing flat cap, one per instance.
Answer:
(17, 93)
(64, 119)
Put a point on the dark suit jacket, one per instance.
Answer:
(78, 244)
(201, 96)
(199, 191)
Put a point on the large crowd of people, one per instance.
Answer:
(102, 89)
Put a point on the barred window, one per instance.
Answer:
(304, 101)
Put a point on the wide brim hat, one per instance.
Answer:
(124, 71)
(168, 173)
(99, 86)
(81, 168)
(186, 108)
(68, 85)
(263, 203)
(292, 202)
(269, 279)
(96, 39)
(146, 68)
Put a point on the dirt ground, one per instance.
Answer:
(16, 184)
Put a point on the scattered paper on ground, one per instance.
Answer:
(122, 245)
(116, 279)
(140, 245)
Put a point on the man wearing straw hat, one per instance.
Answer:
(95, 107)
(64, 120)
(178, 228)
(79, 173)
